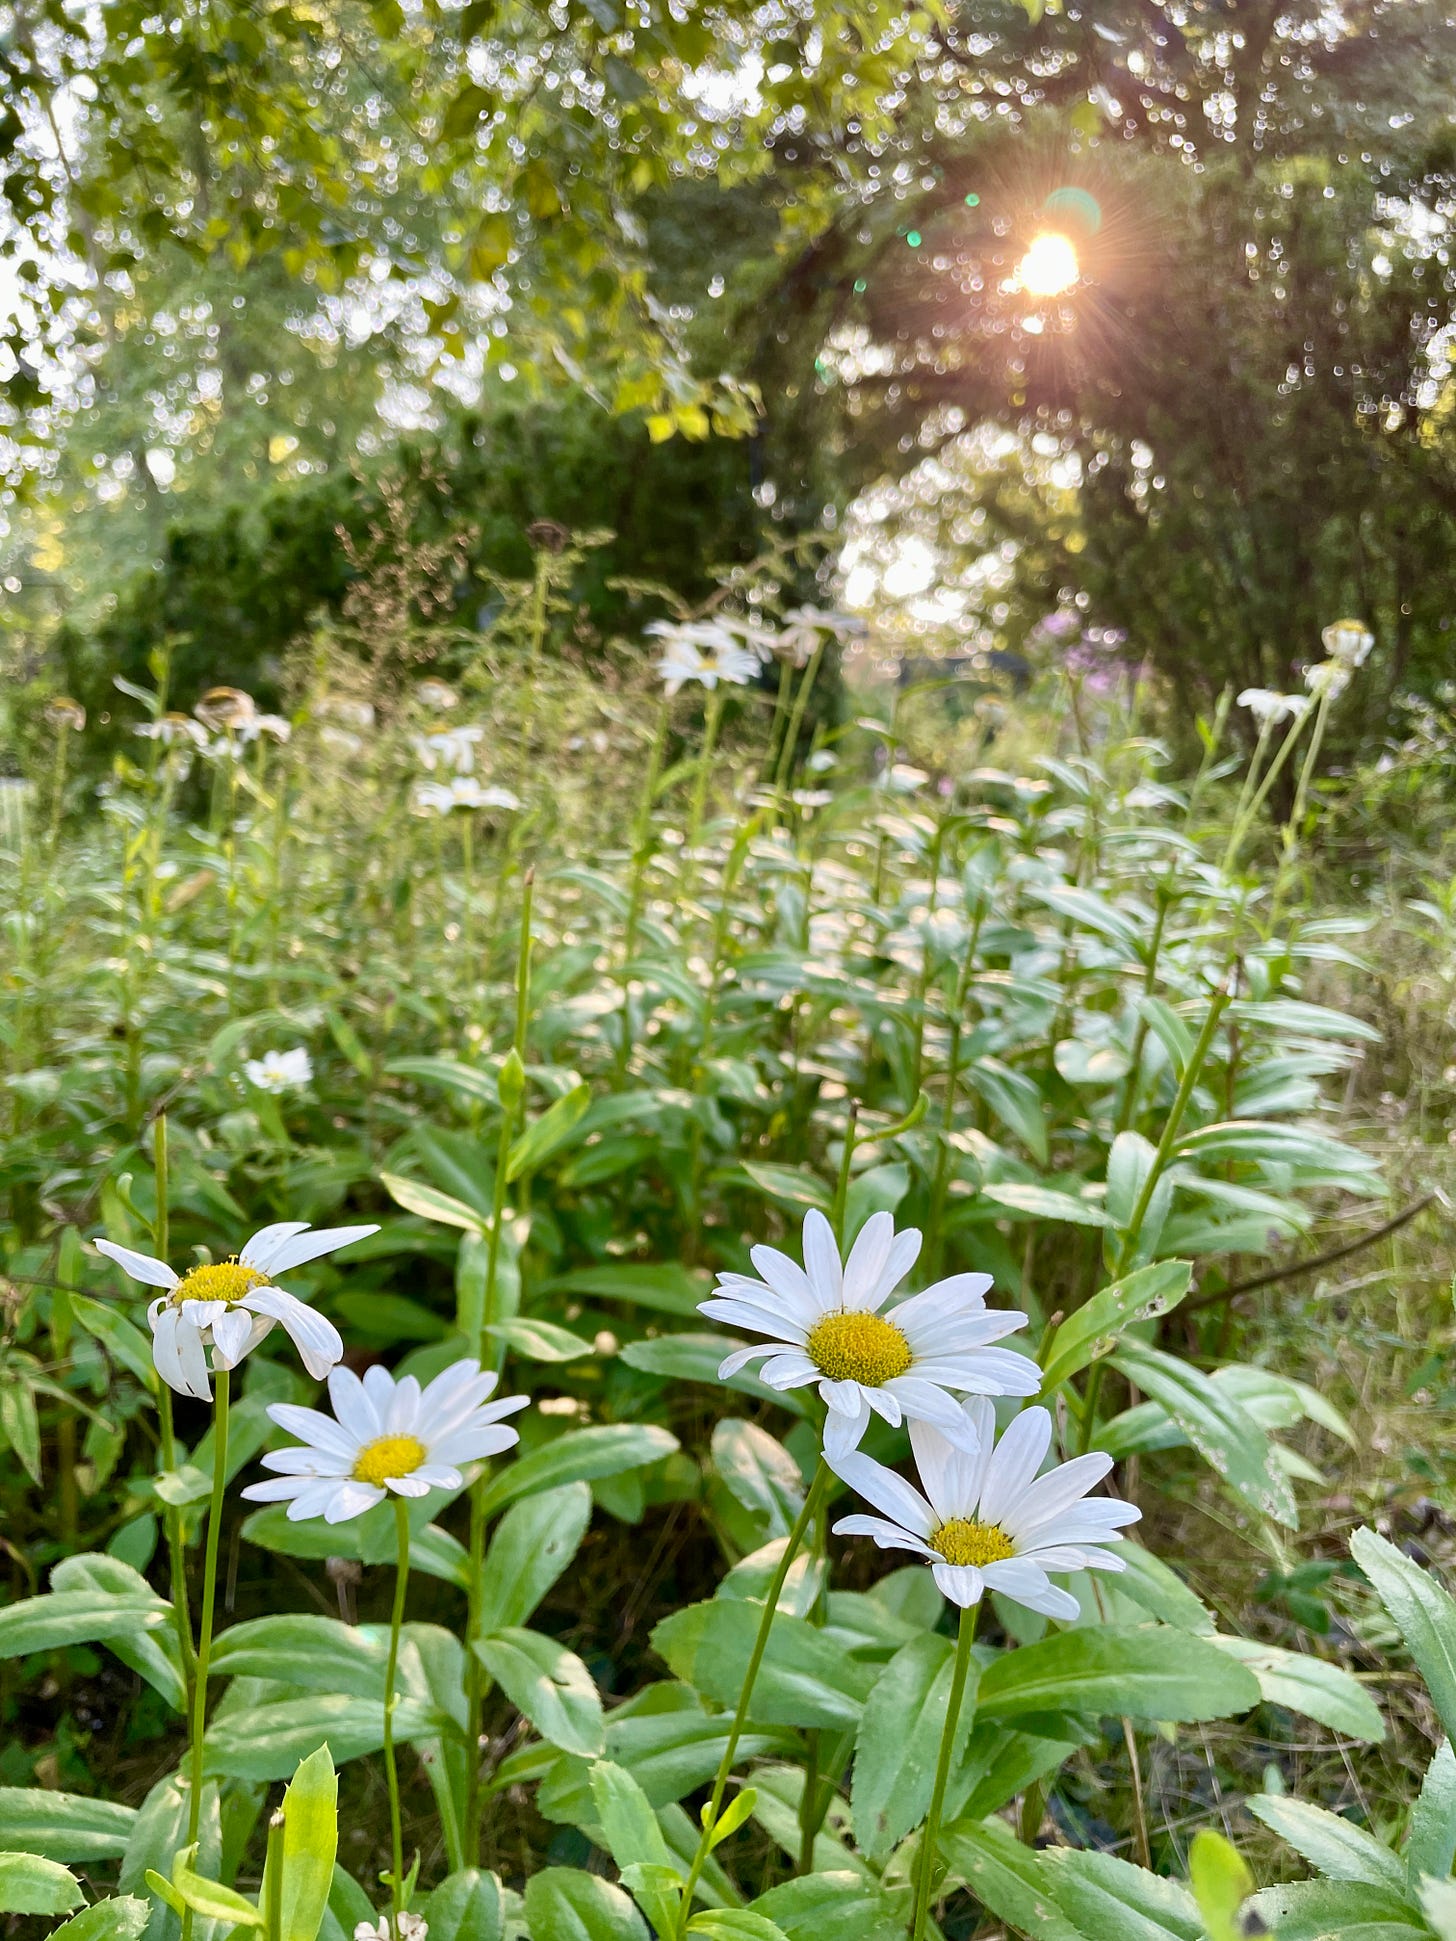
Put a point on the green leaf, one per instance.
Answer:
(548, 1134)
(449, 1072)
(1005, 1876)
(788, 1185)
(310, 1845)
(1424, 1614)
(697, 1358)
(735, 1924)
(20, 1423)
(31, 1885)
(563, 1904)
(1044, 1203)
(628, 1823)
(831, 1905)
(735, 1814)
(540, 1340)
(267, 1742)
(428, 1201)
(530, 1547)
(582, 1455)
(206, 1897)
(1221, 1883)
(1018, 1104)
(1333, 1846)
(1108, 1899)
(666, 1286)
(549, 1684)
(466, 1906)
(1220, 1429)
(804, 1679)
(125, 1342)
(760, 1473)
(318, 1654)
(1438, 1904)
(1151, 1291)
(1337, 1910)
(898, 1741)
(1431, 1848)
(63, 1826)
(1313, 1686)
(1155, 1673)
(116, 1920)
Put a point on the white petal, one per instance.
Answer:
(925, 1402)
(887, 1536)
(175, 1361)
(889, 1493)
(750, 1314)
(470, 1445)
(784, 1278)
(259, 1251)
(1050, 1495)
(357, 1415)
(961, 1583)
(790, 1370)
(276, 1489)
(346, 1500)
(962, 1297)
(998, 1371)
(867, 1260)
(844, 1431)
(821, 1261)
(407, 1485)
(287, 1253)
(231, 1333)
(741, 1357)
(313, 1427)
(1020, 1578)
(317, 1340)
(436, 1475)
(304, 1459)
(1014, 1463)
(404, 1409)
(951, 1476)
(141, 1267)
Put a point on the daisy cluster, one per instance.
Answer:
(385, 1435)
(732, 648)
(986, 1517)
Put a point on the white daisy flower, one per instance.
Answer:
(448, 747)
(702, 651)
(1348, 642)
(435, 693)
(272, 725)
(1327, 677)
(1270, 708)
(805, 629)
(826, 1327)
(226, 709)
(230, 1305)
(988, 1521)
(173, 729)
(460, 792)
(278, 1071)
(412, 1927)
(384, 1435)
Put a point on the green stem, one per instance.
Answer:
(792, 1545)
(642, 835)
(209, 1601)
(1241, 828)
(391, 1699)
(930, 1833)
(940, 1181)
(1140, 1036)
(273, 1875)
(796, 719)
(841, 1184)
(711, 729)
(171, 1515)
(781, 709)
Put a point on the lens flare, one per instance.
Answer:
(1049, 266)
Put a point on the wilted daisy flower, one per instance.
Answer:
(172, 730)
(62, 712)
(1348, 642)
(460, 792)
(988, 1521)
(277, 1071)
(384, 1435)
(1269, 708)
(826, 1327)
(446, 747)
(230, 1305)
(433, 693)
(1327, 677)
(225, 709)
(703, 652)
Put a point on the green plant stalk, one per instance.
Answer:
(792, 1546)
(391, 1699)
(642, 835)
(171, 1515)
(58, 785)
(1171, 1129)
(273, 1874)
(712, 727)
(474, 1670)
(940, 1180)
(922, 985)
(776, 728)
(930, 1832)
(1140, 1036)
(796, 718)
(1241, 829)
(209, 1602)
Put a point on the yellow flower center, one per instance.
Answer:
(380, 1461)
(222, 1280)
(852, 1346)
(962, 1542)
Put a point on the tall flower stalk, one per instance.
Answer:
(930, 1832)
(209, 1606)
(391, 1700)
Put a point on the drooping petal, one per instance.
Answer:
(316, 1339)
(963, 1584)
(1023, 1579)
(924, 1402)
(346, 1500)
(844, 1430)
(142, 1267)
(231, 1333)
(177, 1352)
(741, 1357)
(411, 1485)
(886, 1535)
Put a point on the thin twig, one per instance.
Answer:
(1298, 1267)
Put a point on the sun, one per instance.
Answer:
(1049, 266)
